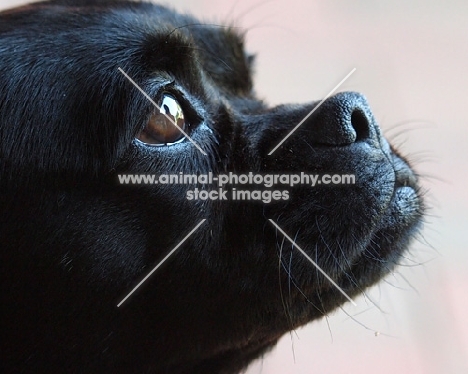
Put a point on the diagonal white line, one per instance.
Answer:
(312, 111)
(162, 261)
(312, 261)
(162, 112)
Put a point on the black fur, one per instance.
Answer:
(74, 242)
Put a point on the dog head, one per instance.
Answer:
(96, 91)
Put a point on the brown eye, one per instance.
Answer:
(160, 128)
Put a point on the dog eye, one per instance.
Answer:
(160, 128)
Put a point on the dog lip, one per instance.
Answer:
(401, 220)
(406, 204)
(405, 179)
(404, 176)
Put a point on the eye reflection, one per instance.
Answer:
(160, 129)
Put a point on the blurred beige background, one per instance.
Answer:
(411, 59)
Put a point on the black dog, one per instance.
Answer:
(75, 240)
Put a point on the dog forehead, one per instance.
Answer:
(157, 31)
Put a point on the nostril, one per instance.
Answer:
(341, 120)
(360, 124)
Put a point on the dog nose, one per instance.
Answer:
(342, 119)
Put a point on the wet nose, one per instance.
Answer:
(342, 119)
